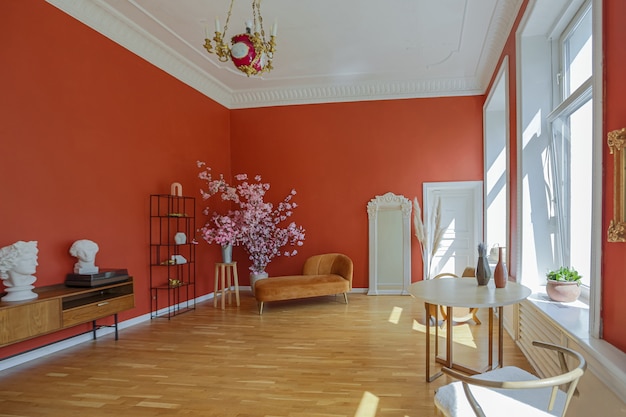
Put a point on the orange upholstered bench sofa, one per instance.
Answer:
(326, 274)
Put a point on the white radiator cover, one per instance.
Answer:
(602, 389)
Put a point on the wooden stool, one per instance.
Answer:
(223, 276)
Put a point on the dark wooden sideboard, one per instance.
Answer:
(59, 307)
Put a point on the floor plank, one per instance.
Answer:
(314, 358)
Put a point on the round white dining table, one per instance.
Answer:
(465, 292)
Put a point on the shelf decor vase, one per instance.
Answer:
(255, 277)
(227, 254)
(483, 272)
(500, 274)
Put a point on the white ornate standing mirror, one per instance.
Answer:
(389, 244)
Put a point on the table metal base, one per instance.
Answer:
(448, 361)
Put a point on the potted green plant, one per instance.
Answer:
(563, 284)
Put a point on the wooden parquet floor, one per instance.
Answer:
(313, 358)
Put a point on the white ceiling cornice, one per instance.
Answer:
(333, 93)
(502, 23)
(100, 16)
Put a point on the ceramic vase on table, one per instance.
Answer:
(483, 271)
(227, 254)
(500, 274)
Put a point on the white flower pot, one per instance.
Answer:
(563, 291)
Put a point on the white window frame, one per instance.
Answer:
(567, 103)
(593, 293)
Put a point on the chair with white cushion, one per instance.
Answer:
(511, 391)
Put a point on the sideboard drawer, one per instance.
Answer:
(27, 320)
(96, 310)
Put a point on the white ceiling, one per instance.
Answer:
(327, 50)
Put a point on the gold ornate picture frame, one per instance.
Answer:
(617, 228)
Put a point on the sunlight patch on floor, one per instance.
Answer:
(418, 327)
(394, 317)
(462, 334)
(367, 406)
(152, 404)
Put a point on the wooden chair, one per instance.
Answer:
(432, 309)
(511, 391)
(459, 314)
(470, 272)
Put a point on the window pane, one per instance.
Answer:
(557, 163)
(577, 55)
(581, 150)
(569, 180)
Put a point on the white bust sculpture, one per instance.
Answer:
(18, 263)
(85, 250)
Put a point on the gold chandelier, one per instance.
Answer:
(250, 52)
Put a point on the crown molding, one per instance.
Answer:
(501, 25)
(110, 23)
(335, 93)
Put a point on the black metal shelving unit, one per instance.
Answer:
(172, 281)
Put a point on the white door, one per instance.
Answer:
(461, 220)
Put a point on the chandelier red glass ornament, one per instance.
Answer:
(250, 52)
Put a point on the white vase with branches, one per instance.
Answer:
(429, 235)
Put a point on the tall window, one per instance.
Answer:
(571, 126)
(557, 170)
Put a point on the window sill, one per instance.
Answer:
(606, 361)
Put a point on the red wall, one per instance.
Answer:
(614, 259)
(340, 156)
(88, 131)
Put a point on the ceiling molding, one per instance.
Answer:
(110, 23)
(334, 93)
(502, 23)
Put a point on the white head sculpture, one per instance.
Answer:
(85, 250)
(18, 263)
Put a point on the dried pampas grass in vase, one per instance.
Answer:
(430, 237)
